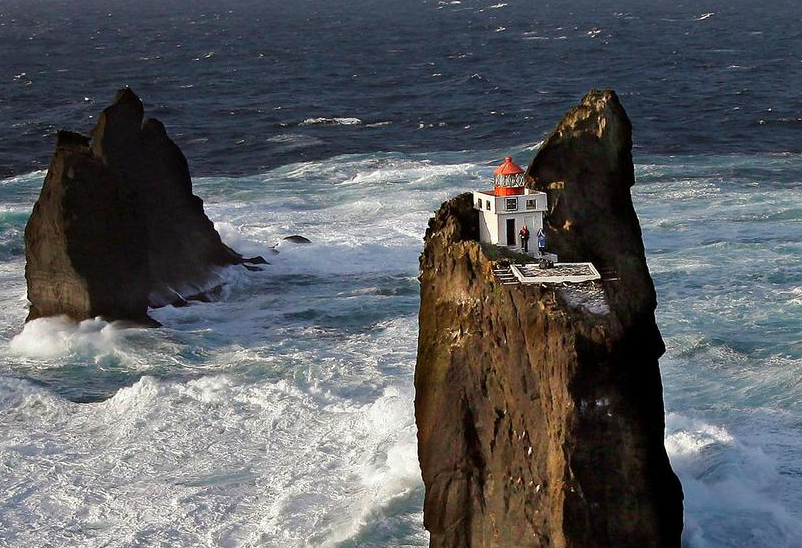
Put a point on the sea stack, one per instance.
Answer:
(539, 409)
(116, 228)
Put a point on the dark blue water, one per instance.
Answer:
(234, 80)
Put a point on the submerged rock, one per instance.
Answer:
(296, 239)
(540, 418)
(116, 228)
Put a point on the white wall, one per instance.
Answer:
(488, 227)
(493, 225)
(533, 221)
(484, 231)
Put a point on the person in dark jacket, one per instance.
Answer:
(524, 233)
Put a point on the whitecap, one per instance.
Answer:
(301, 431)
(61, 336)
(730, 486)
(345, 121)
(293, 141)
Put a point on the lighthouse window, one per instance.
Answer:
(512, 203)
(531, 204)
(479, 203)
(487, 205)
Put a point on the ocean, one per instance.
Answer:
(282, 415)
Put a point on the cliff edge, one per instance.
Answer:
(540, 408)
(116, 228)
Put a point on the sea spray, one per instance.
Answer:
(282, 413)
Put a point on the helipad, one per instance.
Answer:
(532, 273)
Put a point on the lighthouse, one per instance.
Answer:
(504, 210)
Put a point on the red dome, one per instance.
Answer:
(508, 168)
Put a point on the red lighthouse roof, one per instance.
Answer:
(508, 178)
(508, 168)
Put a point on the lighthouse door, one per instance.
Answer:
(511, 232)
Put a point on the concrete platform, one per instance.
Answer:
(531, 273)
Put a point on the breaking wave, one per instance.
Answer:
(331, 122)
(282, 415)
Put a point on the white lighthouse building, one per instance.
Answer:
(504, 210)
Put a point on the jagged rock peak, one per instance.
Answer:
(116, 228)
(118, 127)
(585, 167)
(599, 116)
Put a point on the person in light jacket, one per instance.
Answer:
(541, 241)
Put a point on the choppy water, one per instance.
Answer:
(243, 85)
(282, 415)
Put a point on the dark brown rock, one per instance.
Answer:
(540, 420)
(296, 239)
(116, 228)
(585, 167)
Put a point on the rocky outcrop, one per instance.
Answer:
(540, 418)
(297, 239)
(116, 228)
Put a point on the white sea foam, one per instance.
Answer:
(294, 141)
(60, 336)
(23, 179)
(214, 461)
(730, 487)
(282, 415)
(344, 121)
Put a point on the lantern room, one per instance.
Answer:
(508, 178)
(510, 206)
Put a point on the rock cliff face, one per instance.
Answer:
(116, 228)
(540, 417)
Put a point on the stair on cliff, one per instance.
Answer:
(505, 276)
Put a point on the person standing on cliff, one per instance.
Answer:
(541, 241)
(524, 233)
